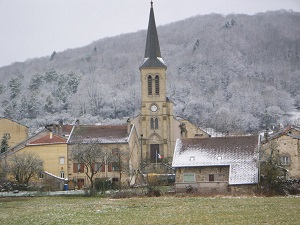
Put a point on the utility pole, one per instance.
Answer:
(141, 153)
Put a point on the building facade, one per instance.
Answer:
(286, 143)
(16, 131)
(117, 158)
(217, 165)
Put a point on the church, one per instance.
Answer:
(157, 126)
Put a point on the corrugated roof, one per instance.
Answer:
(99, 134)
(240, 153)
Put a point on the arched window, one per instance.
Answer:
(157, 85)
(154, 123)
(149, 85)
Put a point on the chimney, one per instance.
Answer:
(51, 135)
(128, 126)
(266, 134)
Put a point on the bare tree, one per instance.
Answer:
(121, 160)
(88, 154)
(24, 166)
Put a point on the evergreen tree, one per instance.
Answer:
(4, 142)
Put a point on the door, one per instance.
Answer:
(80, 183)
(154, 150)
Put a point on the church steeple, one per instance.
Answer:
(152, 51)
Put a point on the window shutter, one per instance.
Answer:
(109, 167)
(103, 167)
(81, 167)
(75, 168)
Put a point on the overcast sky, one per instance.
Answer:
(35, 28)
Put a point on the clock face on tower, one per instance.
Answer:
(153, 108)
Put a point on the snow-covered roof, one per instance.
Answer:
(239, 153)
(285, 131)
(99, 134)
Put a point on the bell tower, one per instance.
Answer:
(156, 110)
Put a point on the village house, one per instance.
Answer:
(286, 143)
(119, 160)
(218, 165)
(16, 132)
(52, 150)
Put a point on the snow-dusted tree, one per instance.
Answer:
(24, 166)
(14, 85)
(4, 142)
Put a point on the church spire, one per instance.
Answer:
(152, 51)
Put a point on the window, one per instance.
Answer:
(78, 167)
(62, 174)
(149, 85)
(192, 158)
(211, 177)
(97, 166)
(285, 160)
(154, 123)
(41, 175)
(157, 85)
(61, 160)
(189, 178)
(115, 179)
(115, 166)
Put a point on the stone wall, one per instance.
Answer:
(206, 184)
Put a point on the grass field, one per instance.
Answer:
(161, 210)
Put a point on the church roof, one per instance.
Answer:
(239, 153)
(152, 51)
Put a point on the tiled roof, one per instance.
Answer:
(48, 139)
(66, 129)
(240, 153)
(62, 130)
(285, 131)
(99, 134)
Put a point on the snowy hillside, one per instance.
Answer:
(235, 73)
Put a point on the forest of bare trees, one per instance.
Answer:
(235, 73)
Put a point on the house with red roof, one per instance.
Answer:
(52, 150)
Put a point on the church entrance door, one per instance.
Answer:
(154, 150)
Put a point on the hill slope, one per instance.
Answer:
(233, 73)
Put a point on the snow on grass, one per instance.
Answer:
(162, 210)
